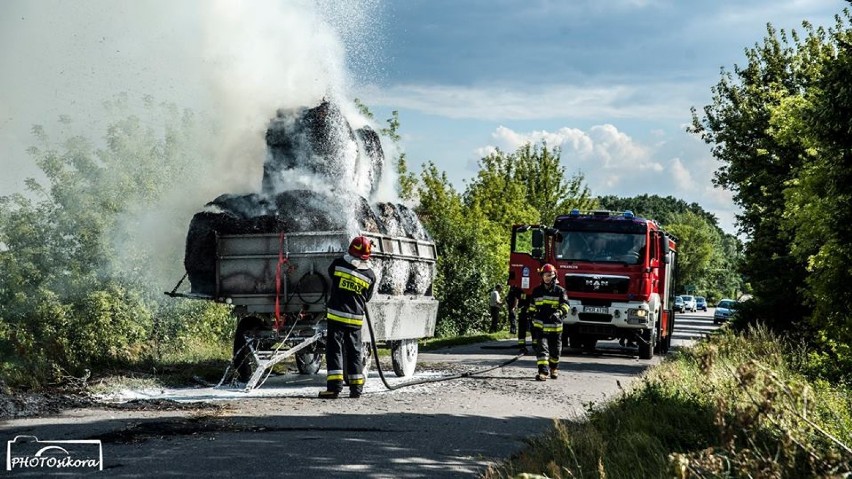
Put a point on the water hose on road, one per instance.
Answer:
(429, 380)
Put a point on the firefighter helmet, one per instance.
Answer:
(547, 268)
(360, 247)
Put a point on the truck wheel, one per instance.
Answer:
(404, 357)
(308, 362)
(646, 348)
(366, 361)
(575, 341)
(242, 360)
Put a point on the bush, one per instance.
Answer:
(734, 406)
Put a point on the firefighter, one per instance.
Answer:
(549, 307)
(352, 283)
(517, 300)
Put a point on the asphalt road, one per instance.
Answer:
(446, 429)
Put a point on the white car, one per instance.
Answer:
(689, 303)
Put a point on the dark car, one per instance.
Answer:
(679, 306)
(724, 310)
(700, 303)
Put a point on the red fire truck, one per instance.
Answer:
(618, 270)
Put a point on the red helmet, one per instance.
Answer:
(547, 268)
(360, 247)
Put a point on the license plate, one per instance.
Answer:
(596, 309)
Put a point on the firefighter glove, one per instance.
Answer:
(555, 318)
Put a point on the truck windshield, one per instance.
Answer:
(628, 248)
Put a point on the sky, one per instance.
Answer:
(610, 82)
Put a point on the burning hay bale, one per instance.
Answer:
(316, 177)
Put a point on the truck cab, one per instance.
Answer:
(618, 271)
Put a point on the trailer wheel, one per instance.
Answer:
(308, 362)
(646, 348)
(404, 357)
(242, 362)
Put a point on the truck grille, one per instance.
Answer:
(593, 283)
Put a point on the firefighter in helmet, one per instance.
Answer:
(549, 305)
(352, 283)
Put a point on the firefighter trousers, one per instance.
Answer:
(343, 341)
(548, 346)
(523, 327)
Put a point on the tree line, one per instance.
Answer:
(781, 127)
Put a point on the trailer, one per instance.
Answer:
(278, 285)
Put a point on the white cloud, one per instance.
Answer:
(494, 102)
(681, 175)
(603, 146)
(614, 163)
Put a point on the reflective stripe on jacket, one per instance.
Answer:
(547, 301)
(350, 290)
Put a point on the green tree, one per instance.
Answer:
(781, 129)
(662, 209)
(755, 165)
(462, 282)
(549, 189)
(697, 242)
(71, 296)
(817, 216)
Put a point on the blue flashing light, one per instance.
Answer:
(575, 212)
(629, 214)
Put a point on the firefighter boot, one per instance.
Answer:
(542, 375)
(328, 394)
(554, 372)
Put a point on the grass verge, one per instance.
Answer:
(732, 406)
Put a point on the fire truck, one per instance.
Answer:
(618, 270)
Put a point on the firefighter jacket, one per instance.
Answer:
(548, 307)
(351, 288)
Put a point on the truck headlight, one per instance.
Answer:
(637, 316)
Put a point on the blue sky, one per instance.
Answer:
(609, 81)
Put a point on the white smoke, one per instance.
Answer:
(260, 57)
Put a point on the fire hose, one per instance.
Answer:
(427, 380)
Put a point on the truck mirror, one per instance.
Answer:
(537, 253)
(537, 239)
(664, 247)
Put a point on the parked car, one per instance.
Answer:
(701, 303)
(689, 303)
(678, 306)
(725, 308)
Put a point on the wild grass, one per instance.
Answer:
(729, 407)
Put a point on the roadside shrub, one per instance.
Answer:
(192, 328)
(733, 406)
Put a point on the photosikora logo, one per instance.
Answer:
(28, 452)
